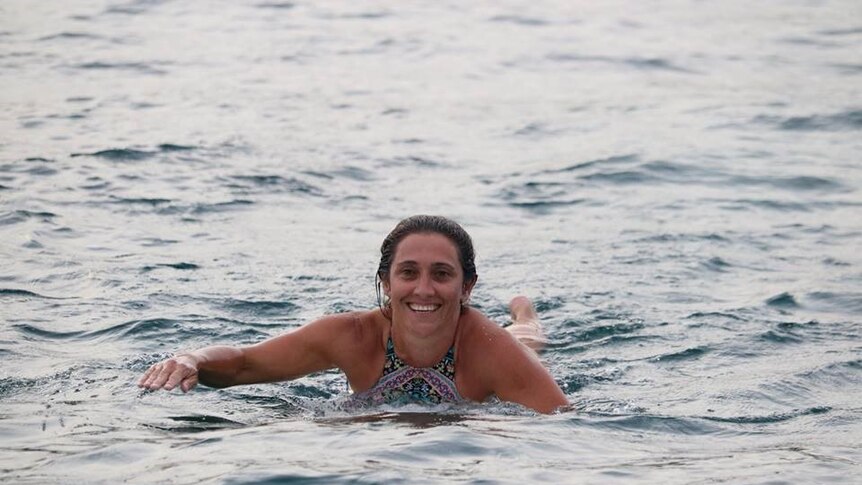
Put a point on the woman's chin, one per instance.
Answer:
(424, 323)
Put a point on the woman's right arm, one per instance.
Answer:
(311, 348)
(213, 366)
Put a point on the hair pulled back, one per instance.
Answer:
(428, 224)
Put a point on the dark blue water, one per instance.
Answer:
(676, 184)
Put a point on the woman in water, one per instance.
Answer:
(423, 344)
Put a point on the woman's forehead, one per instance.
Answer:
(426, 247)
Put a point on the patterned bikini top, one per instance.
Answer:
(402, 384)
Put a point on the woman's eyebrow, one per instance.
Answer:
(410, 262)
(443, 265)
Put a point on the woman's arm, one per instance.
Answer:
(521, 378)
(505, 364)
(311, 348)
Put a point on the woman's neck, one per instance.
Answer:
(421, 351)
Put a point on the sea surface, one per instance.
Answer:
(676, 183)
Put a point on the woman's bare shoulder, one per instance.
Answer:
(476, 328)
(356, 325)
(487, 345)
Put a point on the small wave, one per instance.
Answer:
(155, 242)
(847, 120)
(17, 216)
(41, 169)
(276, 5)
(26, 293)
(625, 177)
(837, 375)
(605, 331)
(34, 331)
(770, 418)
(574, 383)
(781, 337)
(782, 300)
(710, 315)
(842, 32)
(139, 67)
(716, 264)
(417, 162)
(168, 330)
(806, 183)
(520, 20)
(829, 261)
(656, 424)
(370, 15)
(70, 36)
(536, 129)
(770, 204)
(170, 147)
(662, 238)
(178, 266)
(809, 41)
(133, 327)
(655, 64)
(615, 160)
(197, 424)
(797, 183)
(544, 207)
(641, 63)
(275, 182)
(133, 7)
(151, 201)
(119, 154)
(548, 304)
(134, 154)
(219, 206)
(850, 303)
(690, 353)
(847, 68)
(263, 308)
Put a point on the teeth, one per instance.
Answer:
(423, 308)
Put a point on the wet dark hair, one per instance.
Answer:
(427, 224)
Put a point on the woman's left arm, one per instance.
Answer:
(521, 378)
(501, 365)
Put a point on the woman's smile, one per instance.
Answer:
(423, 308)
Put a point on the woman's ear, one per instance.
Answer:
(384, 282)
(468, 289)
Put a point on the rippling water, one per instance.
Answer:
(676, 183)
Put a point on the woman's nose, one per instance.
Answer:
(424, 286)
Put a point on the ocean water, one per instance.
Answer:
(675, 183)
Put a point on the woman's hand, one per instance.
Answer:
(180, 370)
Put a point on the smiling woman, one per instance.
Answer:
(424, 344)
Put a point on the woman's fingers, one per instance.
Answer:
(150, 376)
(181, 372)
(143, 380)
(189, 382)
(168, 374)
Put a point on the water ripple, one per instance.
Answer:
(690, 353)
(846, 120)
(14, 217)
(641, 63)
(770, 418)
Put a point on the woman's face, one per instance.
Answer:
(426, 284)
